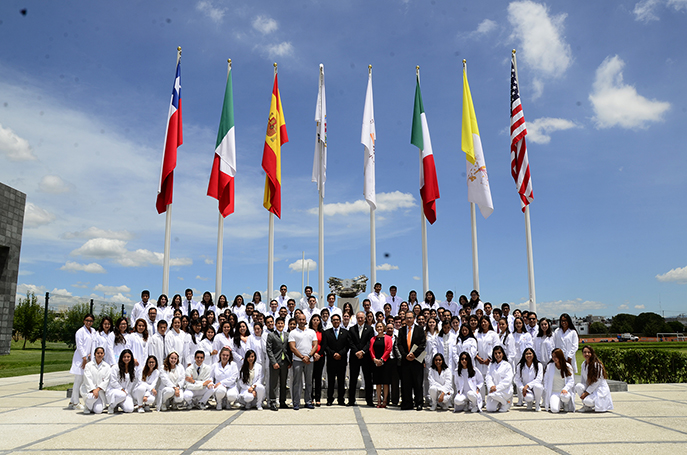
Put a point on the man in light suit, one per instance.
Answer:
(411, 344)
(279, 355)
(336, 343)
(199, 387)
(360, 336)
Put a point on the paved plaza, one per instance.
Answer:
(647, 419)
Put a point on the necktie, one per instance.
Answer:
(281, 335)
(409, 338)
(198, 370)
(360, 332)
(336, 334)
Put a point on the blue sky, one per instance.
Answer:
(84, 94)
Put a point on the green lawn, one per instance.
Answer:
(58, 357)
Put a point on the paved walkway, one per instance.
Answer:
(647, 419)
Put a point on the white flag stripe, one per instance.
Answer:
(226, 152)
(368, 137)
(479, 191)
(319, 165)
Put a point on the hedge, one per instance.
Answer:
(644, 366)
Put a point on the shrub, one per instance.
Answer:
(644, 366)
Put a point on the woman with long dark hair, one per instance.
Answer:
(206, 303)
(380, 350)
(123, 381)
(175, 341)
(559, 384)
(521, 337)
(105, 338)
(177, 304)
(225, 375)
(593, 390)
(544, 342)
(164, 311)
(139, 342)
(566, 339)
(318, 358)
(238, 307)
(468, 381)
(172, 379)
(240, 343)
(258, 304)
(499, 382)
(145, 392)
(507, 341)
(195, 336)
(120, 338)
(207, 345)
(465, 342)
(528, 379)
(251, 390)
(96, 379)
(440, 384)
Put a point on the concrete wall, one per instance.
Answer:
(12, 204)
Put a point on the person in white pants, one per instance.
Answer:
(225, 375)
(86, 338)
(172, 379)
(594, 390)
(468, 382)
(559, 383)
(251, 389)
(96, 379)
(528, 379)
(145, 392)
(499, 382)
(199, 386)
(123, 381)
(440, 384)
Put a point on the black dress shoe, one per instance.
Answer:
(419, 408)
(351, 403)
(370, 404)
(329, 403)
(273, 407)
(283, 406)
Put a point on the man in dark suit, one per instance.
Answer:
(279, 355)
(360, 336)
(411, 344)
(336, 344)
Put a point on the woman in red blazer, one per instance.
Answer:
(380, 350)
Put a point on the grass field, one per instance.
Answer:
(58, 357)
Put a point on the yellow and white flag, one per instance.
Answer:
(477, 178)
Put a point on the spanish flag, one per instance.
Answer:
(271, 154)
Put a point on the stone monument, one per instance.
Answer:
(12, 204)
(347, 290)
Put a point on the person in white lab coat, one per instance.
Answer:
(507, 341)
(521, 337)
(528, 379)
(440, 383)
(96, 379)
(251, 389)
(172, 379)
(486, 340)
(465, 342)
(199, 386)
(175, 341)
(146, 391)
(104, 339)
(207, 346)
(544, 342)
(499, 382)
(156, 343)
(559, 384)
(468, 382)
(239, 344)
(120, 339)
(566, 339)
(86, 339)
(123, 381)
(139, 342)
(225, 375)
(593, 390)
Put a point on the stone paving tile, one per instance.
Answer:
(41, 415)
(650, 408)
(651, 448)
(300, 417)
(20, 435)
(211, 418)
(533, 449)
(395, 415)
(287, 437)
(676, 423)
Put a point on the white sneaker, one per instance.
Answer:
(537, 408)
(86, 411)
(260, 408)
(71, 406)
(111, 410)
(433, 407)
(163, 407)
(141, 410)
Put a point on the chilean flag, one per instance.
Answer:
(173, 139)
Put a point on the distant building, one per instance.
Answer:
(12, 205)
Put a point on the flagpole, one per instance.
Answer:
(373, 229)
(168, 226)
(423, 224)
(303, 271)
(320, 256)
(270, 244)
(475, 260)
(528, 231)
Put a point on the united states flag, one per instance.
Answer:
(519, 164)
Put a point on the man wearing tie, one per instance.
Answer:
(532, 326)
(360, 336)
(336, 342)
(411, 344)
(279, 355)
(393, 300)
(199, 387)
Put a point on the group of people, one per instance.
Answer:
(465, 356)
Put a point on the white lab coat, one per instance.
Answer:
(139, 347)
(500, 375)
(569, 386)
(117, 348)
(543, 346)
(469, 346)
(173, 378)
(568, 342)
(528, 376)
(156, 347)
(85, 345)
(485, 346)
(175, 342)
(509, 346)
(522, 342)
(442, 382)
(464, 384)
(104, 341)
(145, 388)
(257, 379)
(599, 392)
(117, 384)
(95, 376)
(207, 347)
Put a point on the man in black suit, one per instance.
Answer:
(360, 336)
(336, 342)
(279, 356)
(411, 344)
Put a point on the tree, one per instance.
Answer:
(623, 323)
(649, 324)
(66, 324)
(676, 326)
(598, 327)
(27, 318)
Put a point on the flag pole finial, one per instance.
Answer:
(369, 69)
(228, 60)
(417, 70)
(513, 51)
(321, 68)
(275, 64)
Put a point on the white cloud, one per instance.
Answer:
(93, 267)
(678, 275)
(644, 10)
(35, 216)
(485, 27)
(417, 278)
(94, 232)
(198, 277)
(308, 264)
(618, 104)
(538, 130)
(81, 285)
(210, 10)
(111, 290)
(576, 306)
(25, 273)
(639, 307)
(541, 38)
(53, 184)
(623, 307)
(119, 298)
(386, 202)
(283, 49)
(265, 25)
(60, 293)
(208, 260)
(116, 250)
(15, 148)
(387, 267)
